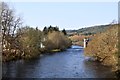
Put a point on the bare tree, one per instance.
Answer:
(9, 24)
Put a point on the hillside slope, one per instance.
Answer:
(93, 30)
(77, 36)
(89, 30)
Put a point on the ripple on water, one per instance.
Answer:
(68, 64)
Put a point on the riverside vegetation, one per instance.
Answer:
(104, 48)
(26, 42)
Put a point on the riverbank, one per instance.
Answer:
(104, 48)
(44, 52)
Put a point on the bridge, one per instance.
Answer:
(85, 42)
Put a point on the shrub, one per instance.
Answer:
(104, 47)
(57, 40)
(30, 42)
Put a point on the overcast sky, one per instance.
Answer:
(66, 15)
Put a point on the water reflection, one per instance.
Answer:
(94, 69)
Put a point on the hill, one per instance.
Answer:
(89, 30)
(77, 36)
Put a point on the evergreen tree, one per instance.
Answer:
(45, 30)
(64, 31)
(50, 29)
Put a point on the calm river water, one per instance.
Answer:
(68, 64)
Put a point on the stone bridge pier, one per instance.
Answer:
(85, 42)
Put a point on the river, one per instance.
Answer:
(67, 64)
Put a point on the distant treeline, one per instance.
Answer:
(89, 30)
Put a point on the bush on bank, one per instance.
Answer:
(30, 42)
(104, 47)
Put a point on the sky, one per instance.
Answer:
(68, 15)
